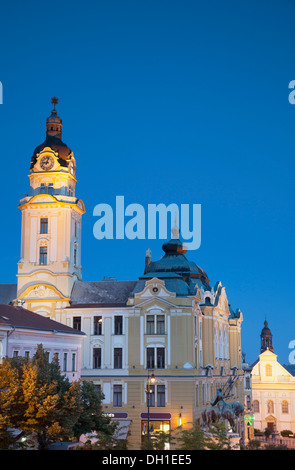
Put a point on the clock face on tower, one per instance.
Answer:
(47, 162)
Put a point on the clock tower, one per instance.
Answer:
(50, 259)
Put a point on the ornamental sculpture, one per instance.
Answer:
(219, 409)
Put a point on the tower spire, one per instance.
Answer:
(54, 122)
(266, 338)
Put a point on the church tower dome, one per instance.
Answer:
(266, 338)
(53, 140)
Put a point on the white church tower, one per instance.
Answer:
(50, 260)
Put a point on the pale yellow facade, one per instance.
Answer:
(273, 392)
(190, 342)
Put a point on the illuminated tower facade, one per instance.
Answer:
(50, 260)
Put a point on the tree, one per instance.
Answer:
(37, 399)
(191, 439)
(156, 440)
(91, 418)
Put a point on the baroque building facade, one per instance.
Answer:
(170, 322)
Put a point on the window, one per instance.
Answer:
(77, 323)
(44, 225)
(285, 407)
(161, 395)
(65, 368)
(27, 354)
(97, 388)
(161, 358)
(118, 325)
(117, 395)
(248, 385)
(268, 370)
(160, 325)
(256, 406)
(97, 325)
(43, 254)
(151, 321)
(150, 358)
(117, 358)
(15, 353)
(151, 395)
(73, 362)
(96, 358)
(150, 324)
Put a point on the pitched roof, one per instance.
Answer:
(108, 293)
(18, 317)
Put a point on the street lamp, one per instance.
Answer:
(150, 381)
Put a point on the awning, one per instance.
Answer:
(122, 428)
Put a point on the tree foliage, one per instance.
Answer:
(36, 399)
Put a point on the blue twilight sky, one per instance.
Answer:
(164, 101)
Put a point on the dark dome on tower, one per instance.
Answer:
(53, 138)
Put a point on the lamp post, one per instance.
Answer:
(150, 381)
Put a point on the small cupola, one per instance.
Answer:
(54, 122)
